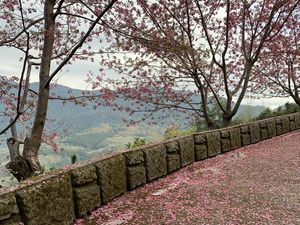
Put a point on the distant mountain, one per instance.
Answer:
(78, 118)
(91, 127)
(86, 121)
(249, 111)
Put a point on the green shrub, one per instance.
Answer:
(287, 108)
(73, 159)
(173, 132)
(137, 142)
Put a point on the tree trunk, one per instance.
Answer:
(230, 113)
(226, 121)
(296, 99)
(227, 115)
(18, 166)
(210, 124)
(33, 141)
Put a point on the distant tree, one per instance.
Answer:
(183, 54)
(291, 108)
(287, 108)
(44, 31)
(73, 159)
(267, 113)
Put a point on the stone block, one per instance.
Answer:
(246, 140)
(225, 133)
(8, 206)
(111, 177)
(235, 138)
(264, 134)
(200, 139)
(86, 198)
(271, 128)
(279, 129)
(292, 125)
(133, 158)
(213, 143)
(200, 152)
(278, 121)
(292, 118)
(14, 220)
(136, 176)
(297, 120)
(225, 145)
(263, 124)
(173, 162)
(285, 124)
(254, 132)
(245, 130)
(47, 202)
(156, 163)
(186, 149)
(172, 147)
(83, 174)
(292, 122)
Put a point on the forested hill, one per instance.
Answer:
(90, 122)
(78, 118)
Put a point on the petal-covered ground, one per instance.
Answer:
(257, 184)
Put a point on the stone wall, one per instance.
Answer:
(59, 197)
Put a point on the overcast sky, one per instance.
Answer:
(72, 75)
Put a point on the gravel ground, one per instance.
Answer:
(257, 184)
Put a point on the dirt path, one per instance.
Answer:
(257, 184)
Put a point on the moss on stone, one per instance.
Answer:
(200, 152)
(49, 202)
(245, 130)
(254, 132)
(156, 163)
(271, 128)
(246, 140)
(83, 174)
(172, 147)
(8, 206)
(225, 134)
(111, 177)
(285, 124)
(235, 138)
(134, 157)
(187, 152)
(225, 145)
(213, 143)
(264, 134)
(86, 198)
(136, 176)
(200, 138)
(13, 220)
(173, 162)
(297, 121)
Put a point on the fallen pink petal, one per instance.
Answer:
(257, 184)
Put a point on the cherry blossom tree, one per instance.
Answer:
(183, 54)
(44, 31)
(278, 71)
